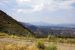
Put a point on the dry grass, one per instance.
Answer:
(20, 46)
(17, 47)
(33, 47)
(12, 47)
(22, 43)
(65, 46)
(51, 46)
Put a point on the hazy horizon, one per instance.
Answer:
(40, 11)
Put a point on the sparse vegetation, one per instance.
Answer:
(9, 46)
(51, 37)
(51, 46)
(40, 44)
(22, 43)
(19, 46)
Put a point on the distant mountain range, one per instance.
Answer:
(57, 25)
(11, 26)
(60, 30)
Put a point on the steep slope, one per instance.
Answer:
(11, 26)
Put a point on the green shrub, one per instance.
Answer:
(51, 47)
(40, 45)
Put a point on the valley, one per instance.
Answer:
(16, 35)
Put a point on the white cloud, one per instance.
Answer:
(22, 1)
(25, 11)
(38, 7)
(4, 1)
(51, 5)
(66, 4)
(40, 10)
(19, 10)
(56, 5)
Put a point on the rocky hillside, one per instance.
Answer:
(11, 26)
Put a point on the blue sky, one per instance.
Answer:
(40, 11)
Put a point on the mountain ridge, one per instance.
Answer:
(11, 26)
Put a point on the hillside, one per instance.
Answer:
(11, 26)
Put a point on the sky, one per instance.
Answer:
(40, 11)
